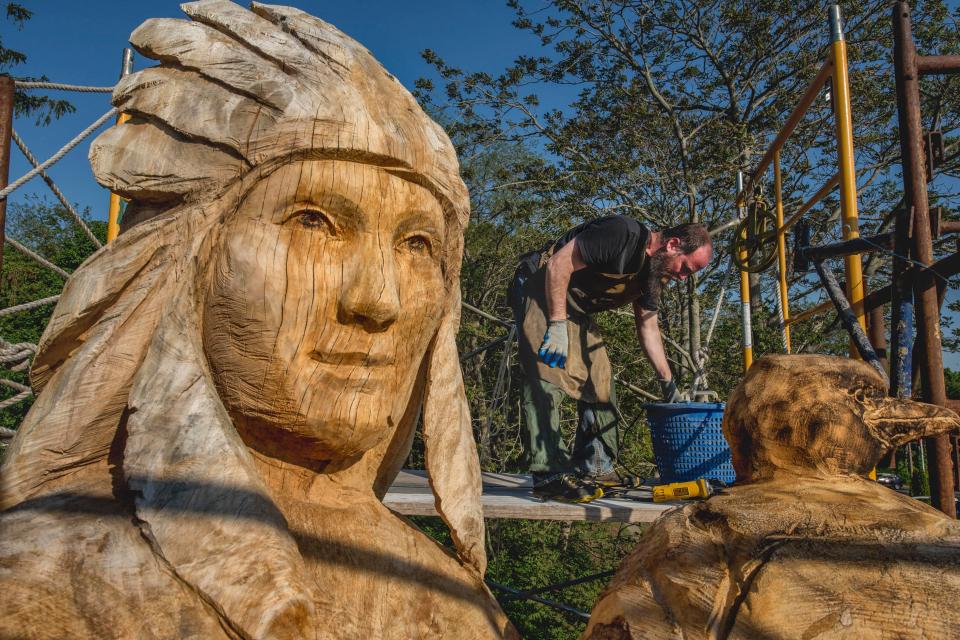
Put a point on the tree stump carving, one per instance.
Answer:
(803, 545)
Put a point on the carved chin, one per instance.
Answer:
(337, 440)
(319, 441)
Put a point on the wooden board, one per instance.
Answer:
(508, 495)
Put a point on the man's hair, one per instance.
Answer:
(692, 236)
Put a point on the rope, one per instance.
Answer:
(27, 306)
(56, 191)
(62, 87)
(479, 312)
(16, 184)
(783, 324)
(17, 386)
(20, 354)
(20, 397)
(36, 256)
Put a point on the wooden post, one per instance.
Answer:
(6, 128)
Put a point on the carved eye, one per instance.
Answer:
(419, 244)
(313, 219)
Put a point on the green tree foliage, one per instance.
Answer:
(952, 379)
(47, 230)
(673, 98)
(43, 108)
(667, 101)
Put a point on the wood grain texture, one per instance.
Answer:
(802, 546)
(226, 391)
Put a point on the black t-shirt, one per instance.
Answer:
(614, 245)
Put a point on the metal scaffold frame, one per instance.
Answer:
(918, 282)
(834, 70)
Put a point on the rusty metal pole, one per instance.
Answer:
(6, 128)
(878, 334)
(924, 283)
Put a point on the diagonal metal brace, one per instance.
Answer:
(849, 320)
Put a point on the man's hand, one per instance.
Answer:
(668, 391)
(555, 347)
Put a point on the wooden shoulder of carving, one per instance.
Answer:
(669, 585)
(75, 552)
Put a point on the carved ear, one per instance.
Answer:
(894, 421)
(451, 454)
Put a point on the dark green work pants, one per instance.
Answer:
(595, 444)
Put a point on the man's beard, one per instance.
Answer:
(657, 273)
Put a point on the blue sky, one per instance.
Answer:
(81, 43)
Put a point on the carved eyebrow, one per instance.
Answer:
(420, 220)
(345, 211)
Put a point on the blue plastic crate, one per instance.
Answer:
(688, 442)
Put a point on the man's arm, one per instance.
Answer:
(560, 267)
(556, 345)
(648, 333)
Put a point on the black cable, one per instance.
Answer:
(915, 263)
(581, 615)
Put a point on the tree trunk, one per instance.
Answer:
(694, 322)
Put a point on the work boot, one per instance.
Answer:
(616, 478)
(563, 487)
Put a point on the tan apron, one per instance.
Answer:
(587, 374)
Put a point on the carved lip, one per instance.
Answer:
(355, 358)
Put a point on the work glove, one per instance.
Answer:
(668, 391)
(554, 349)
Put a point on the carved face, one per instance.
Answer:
(321, 306)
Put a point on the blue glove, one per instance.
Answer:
(554, 349)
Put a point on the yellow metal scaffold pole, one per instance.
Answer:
(848, 177)
(745, 292)
(835, 70)
(782, 253)
(113, 213)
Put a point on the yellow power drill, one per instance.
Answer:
(682, 491)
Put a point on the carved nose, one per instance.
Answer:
(371, 296)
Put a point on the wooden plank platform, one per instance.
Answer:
(508, 495)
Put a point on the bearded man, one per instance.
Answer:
(598, 266)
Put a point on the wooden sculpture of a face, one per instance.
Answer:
(321, 307)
